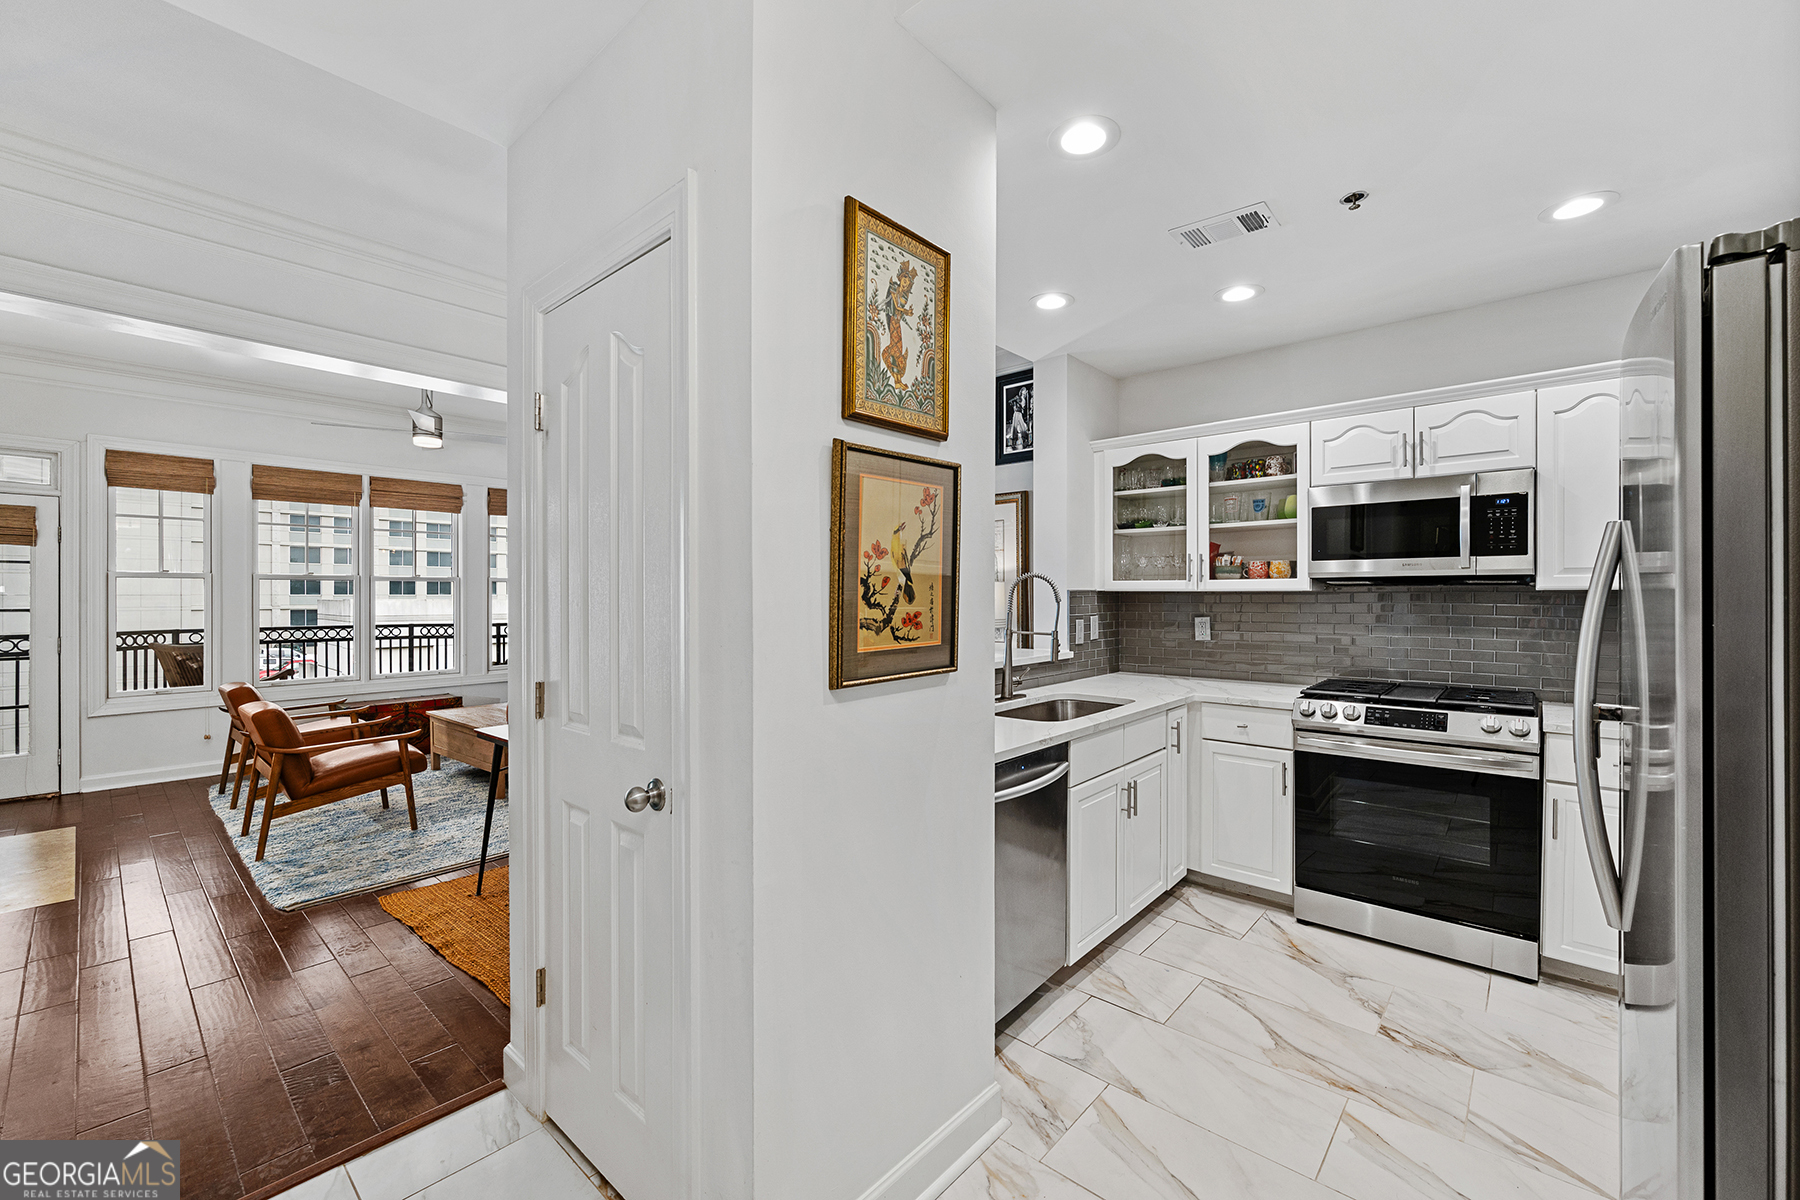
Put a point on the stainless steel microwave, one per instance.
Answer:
(1451, 528)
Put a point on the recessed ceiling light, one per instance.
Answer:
(1578, 206)
(1085, 137)
(1237, 293)
(1051, 301)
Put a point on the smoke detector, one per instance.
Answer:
(1225, 226)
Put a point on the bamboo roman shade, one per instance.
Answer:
(298, 486)
(159, 472)
(18, 525)
(496, 502)
(414, 493)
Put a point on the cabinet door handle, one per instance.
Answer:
(1284, 779)
(1421, 454)
(1245, 725)
(1178, 737)
(1555, 811)
(1405, 451)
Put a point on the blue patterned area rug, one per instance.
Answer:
(353, 846)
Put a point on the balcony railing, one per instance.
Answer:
(299, 652)
(15, 692)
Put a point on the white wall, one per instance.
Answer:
(874, 822)
(85, 405)
(1076, 403)
(670, 94)
(1567, 327)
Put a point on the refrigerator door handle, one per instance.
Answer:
(1638, 738)
(1587, 740)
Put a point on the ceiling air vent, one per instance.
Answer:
(1225, 226)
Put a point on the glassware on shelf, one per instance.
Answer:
(1281, 568)
(1258, 507)
(1215, 467)
(1216, 511)
(1234, 508)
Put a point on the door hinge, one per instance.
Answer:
(537, 411)
(59, 535)
(541, 987)
(539, 686)
(59, 756)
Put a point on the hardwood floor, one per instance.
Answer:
(168, 999)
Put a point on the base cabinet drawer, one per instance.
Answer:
(1093, 756)
(1246, 815)
(1574, 923)
(1272, 727)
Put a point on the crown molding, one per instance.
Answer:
(132, 381)
(103, 187)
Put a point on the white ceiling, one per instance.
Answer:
(485, 67)
(1463, 121)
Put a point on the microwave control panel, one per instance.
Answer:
(1500, 526)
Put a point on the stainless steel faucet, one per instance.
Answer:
(1053, 633)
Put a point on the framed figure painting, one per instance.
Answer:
(1012, 418)
(1012, 558)
(894, 564)
(896, 326)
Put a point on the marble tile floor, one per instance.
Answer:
(492, 1150)
(1215, 1047)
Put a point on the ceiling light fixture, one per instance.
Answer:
(1051, 301)
(427, 425)
(1237, 293)
(1084, 137)
(1578, 206)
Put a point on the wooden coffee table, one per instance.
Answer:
(453, 736)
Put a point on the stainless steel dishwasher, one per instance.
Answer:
(1031, 873)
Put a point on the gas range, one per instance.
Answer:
(1503, 719)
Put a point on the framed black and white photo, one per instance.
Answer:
(1012, 418)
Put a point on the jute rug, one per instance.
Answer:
(355, 845)
(467, 929)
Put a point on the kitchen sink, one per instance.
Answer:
(1059, 710)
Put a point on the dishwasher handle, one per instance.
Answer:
(1033, 781)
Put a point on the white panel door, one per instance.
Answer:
(610, 565)
(1141, 818)
(1362, 448)
(1574, 924)
(1247, 815)
(30, 731)
(1494, 433)
(1094, 819)
(1578, 480)
(1175, 797)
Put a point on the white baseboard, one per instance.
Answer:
(517, 1076)
(125, 779)
(934, 1163)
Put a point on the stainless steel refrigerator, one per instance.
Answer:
(1707, 562)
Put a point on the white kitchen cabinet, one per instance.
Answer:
(1574, 928)
(1246, 815)
(1095, 816)
(1578, 480)
(1179, 765)
(1153, 502)
(1281, 532)
(1362, 448)
(1142, 824)
(1461, 437)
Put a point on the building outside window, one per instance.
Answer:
(306, 592)
(498, 619)
(415, 576)
(159, 576)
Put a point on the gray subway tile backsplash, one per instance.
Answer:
(1504, 637)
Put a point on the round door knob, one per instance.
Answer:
(1328, 710)
(1351, 712)
(1306, 708)
(654, 797)
(1490, 724)
(1520, 728)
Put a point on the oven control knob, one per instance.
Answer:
(1519, 728)
(1490, 724)
(1351, 712)
(1328, 710)
(1306, 708)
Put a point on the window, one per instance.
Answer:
(160, 570)
(307, 551)
(499, 628)
(415, 627)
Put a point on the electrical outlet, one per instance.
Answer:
(1094, 628)
(1080, 631)
(1203, 629)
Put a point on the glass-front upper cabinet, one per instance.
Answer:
(1151, 495)
(1255, 530)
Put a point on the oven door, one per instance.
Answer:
(1449, 835)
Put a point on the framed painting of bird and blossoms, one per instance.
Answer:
(896, 326)
(894, 565)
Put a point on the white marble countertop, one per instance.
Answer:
(1144, 695)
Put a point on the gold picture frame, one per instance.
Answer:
(891, 334)
(895, 565)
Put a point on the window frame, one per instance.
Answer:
(208, 638)
(505, 577)
(418, 531)
(358, 666)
